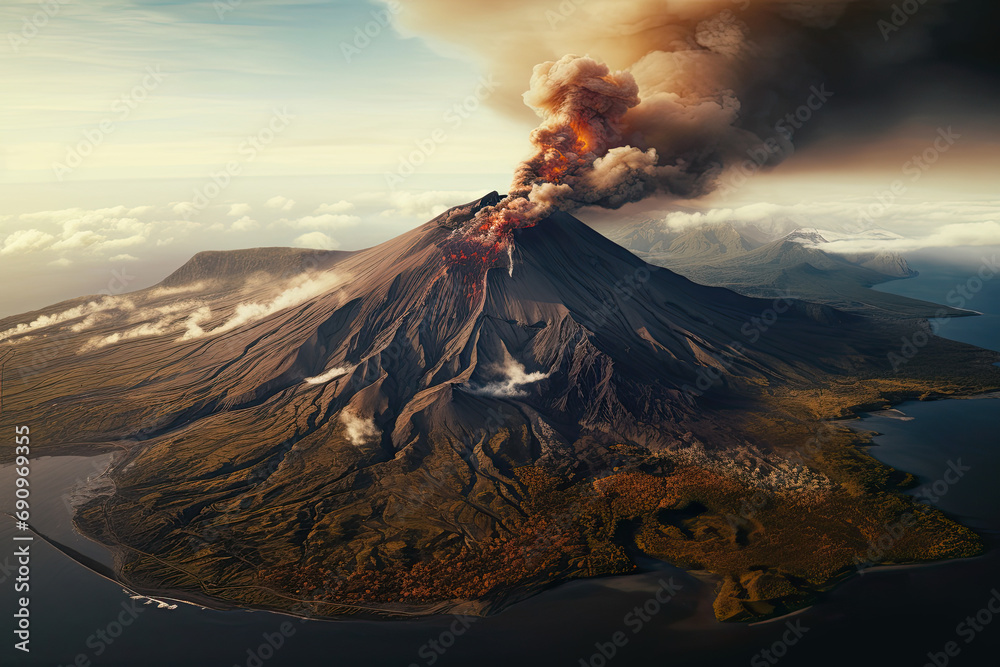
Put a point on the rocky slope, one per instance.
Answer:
(387, 432)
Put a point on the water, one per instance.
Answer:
(887, 617)
(960, 285)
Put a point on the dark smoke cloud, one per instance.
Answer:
(674, 92)
(715, 76)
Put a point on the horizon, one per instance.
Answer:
(296, 127)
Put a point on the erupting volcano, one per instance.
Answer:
(499, 399)
(578, 160)
(350, 432)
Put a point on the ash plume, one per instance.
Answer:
(675, 92)
(580, 157)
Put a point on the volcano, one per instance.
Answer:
(390, 432)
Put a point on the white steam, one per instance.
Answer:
(515, 377)
(336, 372)
(358, 429)
(187, 319)
(91, 311)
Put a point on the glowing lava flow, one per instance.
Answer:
(478, 246)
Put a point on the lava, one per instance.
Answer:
(476, 248)
(582, 105)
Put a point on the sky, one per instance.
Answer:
(134, 134)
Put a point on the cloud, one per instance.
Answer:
(103, 231)
(107, 303)
(947, 236)
(511, 385)
(186, 318)
(26, 240)
(123, 258)
(357, 429)
(157, 292)
(161, 320)
(106, 233)
(342, 206)
(244, 224)
(237, 210)
(184, 209)
(280, 202)
(914, 224)
(331, 374)
(316, 241)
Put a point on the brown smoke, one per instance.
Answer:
(700, 82)
(671, 94)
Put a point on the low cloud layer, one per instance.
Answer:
(947, 236)
(854, 226)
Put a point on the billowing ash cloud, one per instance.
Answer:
(579, 152)
(689, 88)
(579, 158)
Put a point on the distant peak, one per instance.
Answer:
(806, 235)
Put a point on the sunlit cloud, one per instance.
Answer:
(333, 373)
(358, 429)
(511, 385)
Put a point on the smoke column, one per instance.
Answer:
(676, 93)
